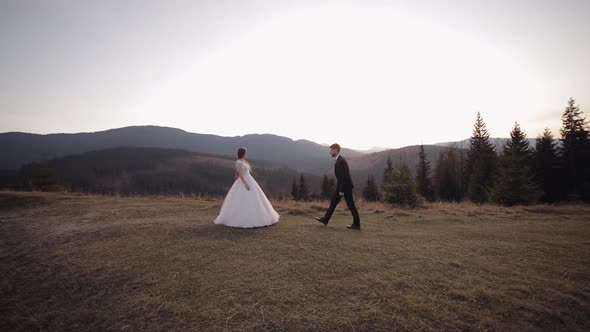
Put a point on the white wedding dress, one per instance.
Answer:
(246, 208)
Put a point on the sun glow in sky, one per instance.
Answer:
(363, 76)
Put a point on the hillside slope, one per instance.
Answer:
(138, 170)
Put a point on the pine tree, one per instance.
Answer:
(303, 189)
(546, 167)
(423, 180)
(295, 190)
(387, 171)
(328, 187)
(515, 182)
(481, 164)
(575, 151)
(43, 177)
(400, 187)
(447, 176)
(370, 192)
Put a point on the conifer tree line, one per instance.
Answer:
(554, 170)
(300, 191)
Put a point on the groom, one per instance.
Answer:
(343, 188)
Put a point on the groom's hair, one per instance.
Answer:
(335, 146)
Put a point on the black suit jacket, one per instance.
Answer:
(343, 179)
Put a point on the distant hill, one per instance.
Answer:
(136, 170)
(497, 142)
(373, 150)
(21, 148)
(375, 163)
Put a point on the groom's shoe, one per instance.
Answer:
(353, 226)
(322, 220)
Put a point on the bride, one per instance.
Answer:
(246, 205)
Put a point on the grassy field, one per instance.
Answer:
(83, 262)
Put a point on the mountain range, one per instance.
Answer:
(270, 151)
(19, 148)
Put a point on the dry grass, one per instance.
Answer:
(83, 262)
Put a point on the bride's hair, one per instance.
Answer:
(241, 153)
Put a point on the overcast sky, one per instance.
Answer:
(361, 73)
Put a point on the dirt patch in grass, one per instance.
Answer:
(14, 201)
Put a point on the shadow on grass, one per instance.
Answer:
(215, 230)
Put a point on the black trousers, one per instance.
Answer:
(349, 202)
